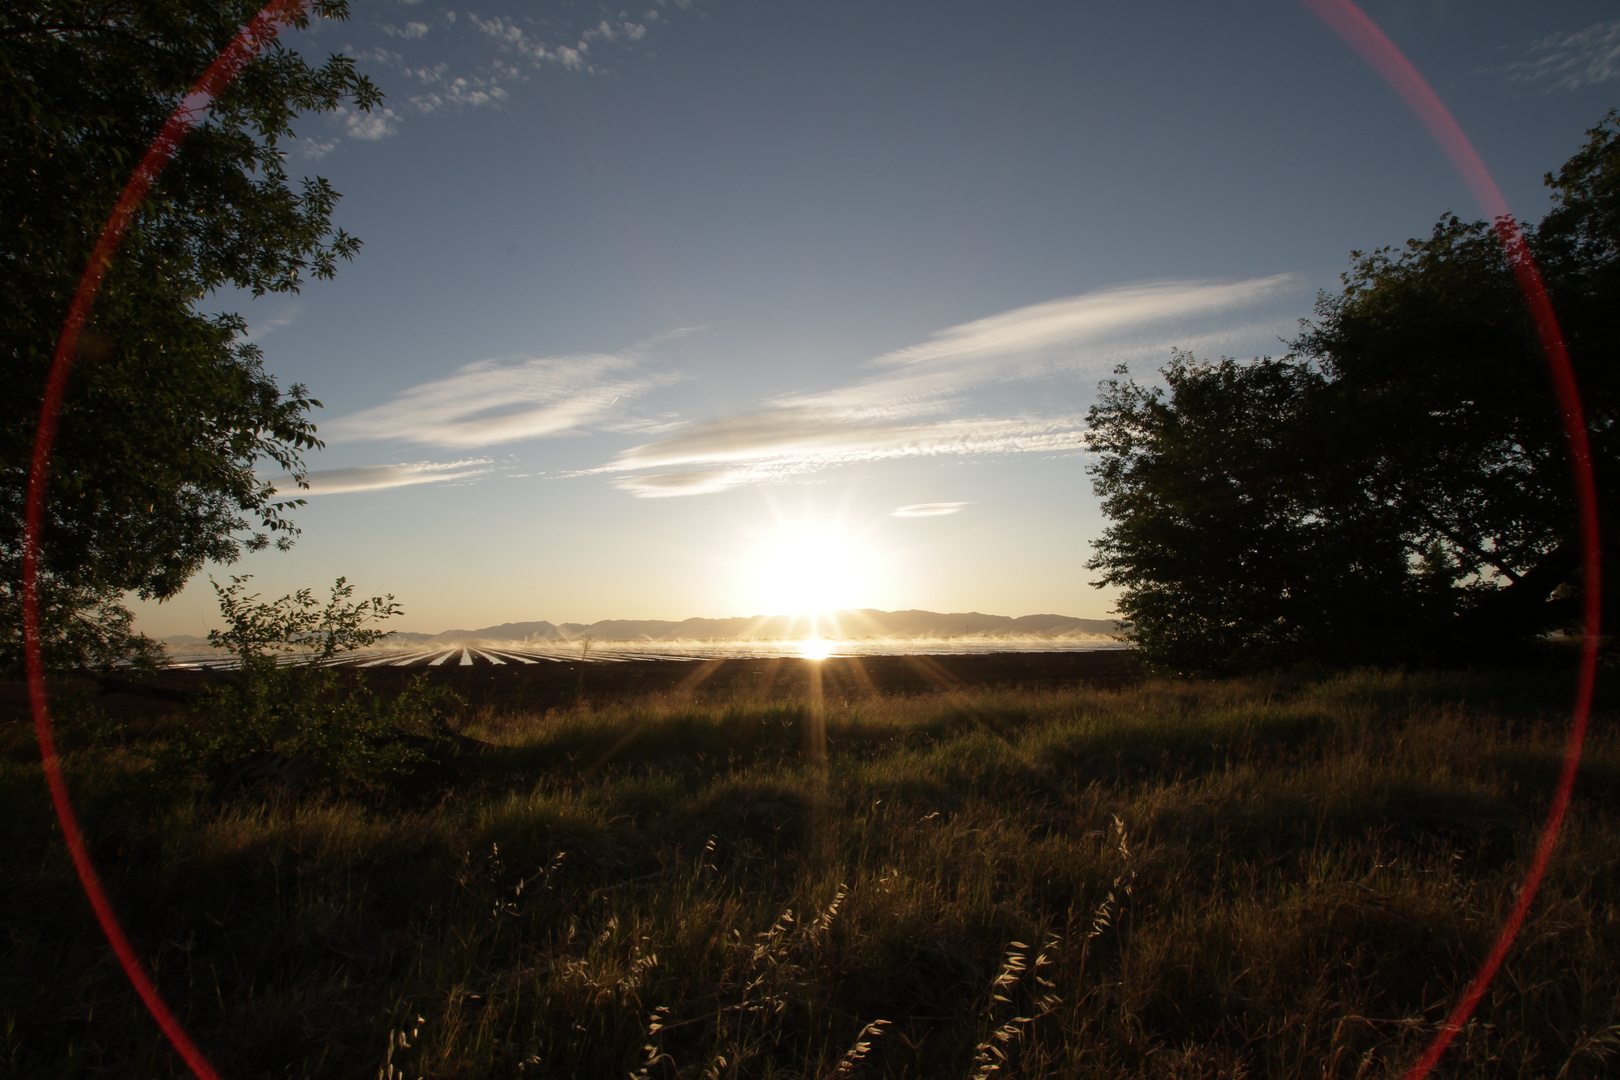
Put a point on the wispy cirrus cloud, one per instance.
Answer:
(412, 29)
(445, 90)
(1571, 61)
(1090, 316)
(573, 50)
(935, 509)
(671, 485)
(905, 408)
(766, 448)
(272, 315)
(378, 477)
(464, 60)
(501, 401)
(1075, 335)
(806, 439)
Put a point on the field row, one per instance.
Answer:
(485, 655)
(458, 656)
(468, 656)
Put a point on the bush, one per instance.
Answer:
(286, 699)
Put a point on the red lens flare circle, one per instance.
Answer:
(1363, 35)
(243, 48)
(1343, 16)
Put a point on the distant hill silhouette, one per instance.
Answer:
(854, 624)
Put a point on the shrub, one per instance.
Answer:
(286, 699)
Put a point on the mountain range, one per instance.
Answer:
(854, 624)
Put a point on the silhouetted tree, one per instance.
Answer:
(169, 409)
(1397, 488)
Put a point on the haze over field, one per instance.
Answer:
(859, 625)
(723, 306)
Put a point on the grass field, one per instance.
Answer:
(1280, 878)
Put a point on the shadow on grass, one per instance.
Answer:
(1258, 878)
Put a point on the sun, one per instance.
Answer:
(815, 648)
(809, 568)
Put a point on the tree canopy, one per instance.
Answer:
(1397, 488)
(169, 408)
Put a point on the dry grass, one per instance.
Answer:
(1243, 879)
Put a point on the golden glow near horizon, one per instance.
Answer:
(808, 568)
(815, 649)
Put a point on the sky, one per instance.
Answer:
(736, 307)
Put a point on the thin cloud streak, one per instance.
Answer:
(815, 437)
(1571, 61)
(670, 485)
(378, 477)
(902, 411)
(1089, 316)
(496, 401)
(763, 454)
(1077, 335)
(920, 510)
(285, 315)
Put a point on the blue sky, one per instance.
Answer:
(730, 306)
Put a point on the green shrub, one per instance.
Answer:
(286, 698)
